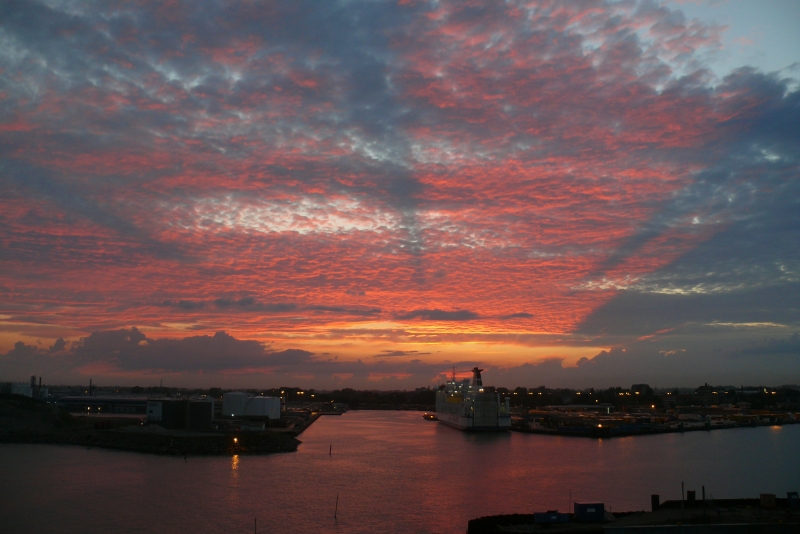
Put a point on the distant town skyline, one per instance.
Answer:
(368, 194)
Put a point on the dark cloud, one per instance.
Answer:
(519, 315)
(439, 315)
(244, 303)
(187, 304)
(293, 358)
(772, 346)
(658, 364)
(131, 350)
(22, 351)
(252, 305)
(58, 346)
(636, 313)
(396, 353)
(349, 311)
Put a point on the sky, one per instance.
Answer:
(369, 194)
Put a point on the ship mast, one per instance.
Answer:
(477, 382)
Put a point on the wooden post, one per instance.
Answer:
(704, 500)
(336, 510)
(681, 502)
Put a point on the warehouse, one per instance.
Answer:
(190, 414)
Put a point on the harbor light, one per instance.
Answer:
(236, 440)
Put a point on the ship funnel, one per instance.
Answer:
(476, 377)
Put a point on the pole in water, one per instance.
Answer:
(704, 500)
(255, 525)
(681, 502)
(570, 502)
(336, 510)
(330, 451)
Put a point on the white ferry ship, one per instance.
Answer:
(467, 406)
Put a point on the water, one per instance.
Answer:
(392, 471)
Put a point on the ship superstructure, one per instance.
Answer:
(466, 405)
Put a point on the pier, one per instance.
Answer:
(566, 422)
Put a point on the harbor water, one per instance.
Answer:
(391, 471)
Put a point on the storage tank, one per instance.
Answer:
(264, 407)
(234, 403)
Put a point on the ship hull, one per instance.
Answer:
(475, 428)
(497, 423)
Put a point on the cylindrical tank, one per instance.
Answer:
(234, 403)
(264, 407)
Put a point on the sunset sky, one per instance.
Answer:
(368, 193)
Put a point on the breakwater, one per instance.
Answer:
(169, 443)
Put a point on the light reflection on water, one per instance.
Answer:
(392, 472)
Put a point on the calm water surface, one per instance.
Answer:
(392, 471)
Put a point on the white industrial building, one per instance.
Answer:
(22, 388)
(238, 404)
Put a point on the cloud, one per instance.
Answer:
(126, 356)
(349, 311)
(772, 346)
(439, 315)
(519, 315)
(185, 304)
(58, 346)
(397, 353)
(323, 167)
(129, 350)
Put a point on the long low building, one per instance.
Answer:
(104, 405)
(174, 413)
